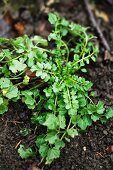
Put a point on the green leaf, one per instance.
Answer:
(87, 120)
(59, 144)
(12, 92)
(26, 80)
(67, 139)
(39, 40)
(53, 153)
(3, 40)
(40, 140)
(29, 100)
(38, 119)
(64, 22)
(83, 70)
(82, 124)
(93, 58)
(4, 83)
(109, 113)
(1, 100)
(91, 109)
(52, 36)
(100, 107)
(43, 149)
(51, 137)
(24, 131)
(52, 18)
(72, 132)
(56, 87)
(51, 122)
(25, 153)
(16, 66)
(3, 108)
(48, 92)
(62, 121)
(95, 117)
(82, 101)
(72, 112)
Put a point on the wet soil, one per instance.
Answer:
(89, 150)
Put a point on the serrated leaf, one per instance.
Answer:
(53, 153)
(1, 100)
(39, 40)
(72, 132)
(95, 117)
(59, 144)
(43, 149)
(64, 22)
(100, 107)
(91, 109)
(51, 121)
(82, 101)
(38, 119)
(67, 139)
(82, 124)
(12, 92)
(51, 137)
(72, 112)
(5, 83)
(16, 66)
(26, 80)
(83, 70)
(48, 92)
(109, 113)
(40, 140)
(52, 18)
(3, 108)
(61, 121)
(25, 153)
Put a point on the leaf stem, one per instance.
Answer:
(66, 130)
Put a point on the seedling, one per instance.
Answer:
(24, 131)
(45, 75)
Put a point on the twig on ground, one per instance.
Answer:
(96, 26)
(18, 144)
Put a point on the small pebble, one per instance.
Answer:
(84, 148)
(26, 15)
(105, 132)
(111, 157)
(111, 132)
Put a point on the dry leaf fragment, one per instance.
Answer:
(99, 13)
(17, 144)
(102, 15)
(19, 27)
(30, 73)
(108, 56)
(110, 149)
(8, 18)
(41, 28)
(33, 167)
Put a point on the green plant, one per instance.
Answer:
(25, 153)
(24, 131)
(45, 75)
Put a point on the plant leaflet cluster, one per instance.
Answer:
(45, 75)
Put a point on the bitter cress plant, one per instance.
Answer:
(45, 75)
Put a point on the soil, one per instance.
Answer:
(90, 150)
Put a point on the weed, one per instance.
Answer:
(45, 75)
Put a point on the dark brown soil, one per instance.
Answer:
(89, 150)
